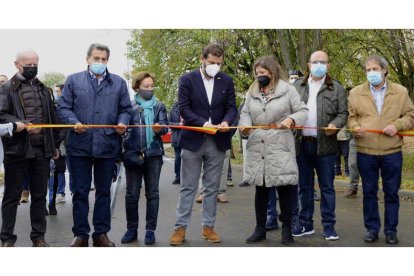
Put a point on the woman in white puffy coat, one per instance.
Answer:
(271, 157)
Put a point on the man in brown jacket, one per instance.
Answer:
(382, 105)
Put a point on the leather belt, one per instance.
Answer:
(309, 139)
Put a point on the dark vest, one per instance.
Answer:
(33, 110)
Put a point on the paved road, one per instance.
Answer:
(235, 220)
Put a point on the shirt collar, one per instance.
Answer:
(204, 76)
(312, 81)
(93, 76)
(383, 88)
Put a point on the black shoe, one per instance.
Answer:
(391, 238)
(244, 184)
(371, 237)
(52, 211)
(287, 237)
(258, 235)
(176, 181)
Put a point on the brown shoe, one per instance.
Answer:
(352, 193)
(7, 244)
(178, 237)
(210, 235)
(79, 242)
(40, 243)
(102, 241)
(199, 199)
(222, 198)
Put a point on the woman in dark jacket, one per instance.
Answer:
(145, 142)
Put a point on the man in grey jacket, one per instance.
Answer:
(327, 103)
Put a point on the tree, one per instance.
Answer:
(170, 53)
(52, 78)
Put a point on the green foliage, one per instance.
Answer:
(52, 78)
(170, 53)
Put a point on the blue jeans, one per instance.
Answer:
(150, 171)
(271, 204)
(61, 185)
(102, 170)
(177, 162)
(369, 167)
(308, 162)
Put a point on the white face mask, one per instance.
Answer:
(212, 70)
(291, 81)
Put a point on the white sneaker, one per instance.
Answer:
(60, 198)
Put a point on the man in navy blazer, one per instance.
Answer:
(206, 98)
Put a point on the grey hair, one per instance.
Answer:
(100, 47)
(23, 54)
(378, 59)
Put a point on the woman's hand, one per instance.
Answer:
(246, 131)
(287, 123)
(156, 128)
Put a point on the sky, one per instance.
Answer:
(63, 51)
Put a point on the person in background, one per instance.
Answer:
(353, 170)
(243, 139)
(176, 120)
(343, 138)
(3, 79)
(147, 110)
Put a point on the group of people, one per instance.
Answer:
(279, 153)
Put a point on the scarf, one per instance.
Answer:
(148, 106)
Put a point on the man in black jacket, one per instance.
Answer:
(24, 99)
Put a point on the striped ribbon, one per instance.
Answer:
(210, 130)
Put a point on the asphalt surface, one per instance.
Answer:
(235, 220)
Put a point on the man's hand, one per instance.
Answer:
(210, 125)
(156, 128)
(121, 128)
(246, 131)
(287, 123)
(57, 154)
(358, 132)
(223, 127)
(330, 130)
(33, 130)
(20, 126)
(390, 130)
(79, 128)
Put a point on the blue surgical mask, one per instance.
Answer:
(374, 77)
(98, 68)
(318, 69)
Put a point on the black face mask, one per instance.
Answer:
(29, 72)
(263, 81)
(146, 94)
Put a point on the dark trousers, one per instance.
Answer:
(343, 151)
(177, 162)
(150, 171)
(286, 200)
(81, 171)
(37, 170)
(271, 205)
(308, 162)
(369, 167)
